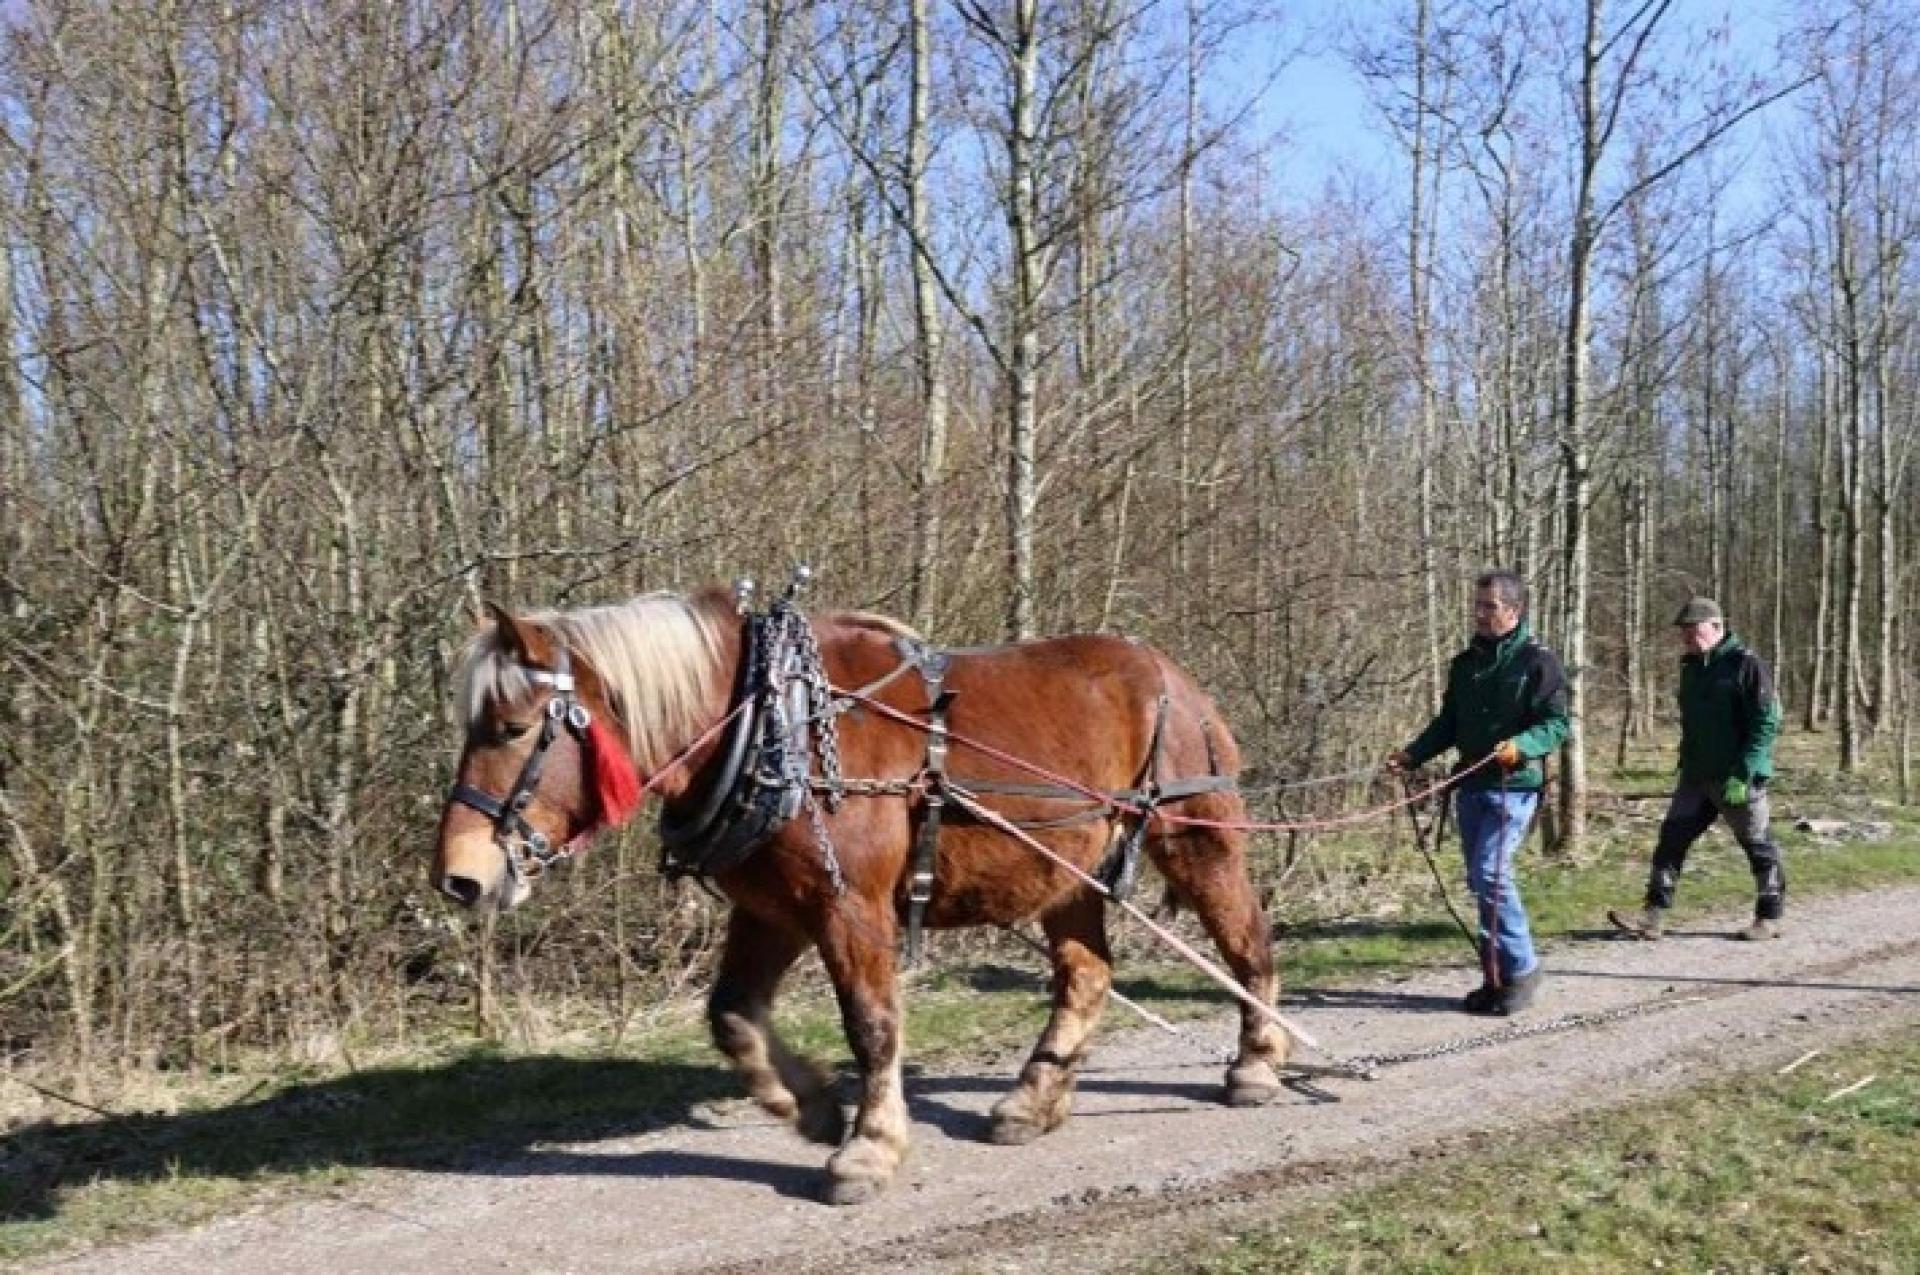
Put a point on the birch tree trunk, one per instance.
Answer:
(929, 339)
(1419, 303)
(1818, 677)
(1852, 487)
(1576, 464)
(1023, 341)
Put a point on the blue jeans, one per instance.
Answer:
(1492, 824)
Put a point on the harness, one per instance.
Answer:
(1118, 871)
(528, 852)
(787, 717)
(764, 773)
(932, 665)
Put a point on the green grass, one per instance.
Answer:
(1758, 1173)
(241, 1138)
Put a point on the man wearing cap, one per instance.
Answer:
(1505, 708)
(1728, 722)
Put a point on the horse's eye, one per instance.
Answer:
(514, 730)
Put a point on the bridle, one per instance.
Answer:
(528, 852)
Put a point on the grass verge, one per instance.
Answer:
(1755, 1173)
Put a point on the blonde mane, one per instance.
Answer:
(656, 656)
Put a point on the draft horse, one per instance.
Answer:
(802, 798)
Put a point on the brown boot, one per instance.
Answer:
(1648, 924)
(1761, 928)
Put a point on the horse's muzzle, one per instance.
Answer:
(472, 871)
(464, 890)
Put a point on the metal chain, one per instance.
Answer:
(1363, 1066)
(793, 637)
(821, 705)
(819, 825)
(869, 787)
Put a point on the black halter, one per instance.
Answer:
(528, 851)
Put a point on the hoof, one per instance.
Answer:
(1010, 1131)
(1016, 1122)
(858, 1172)
(851, 1190)
(1252, 1085)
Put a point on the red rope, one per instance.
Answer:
(680, 758)
(993, 818)
(1106, 799)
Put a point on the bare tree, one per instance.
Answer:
(1610, 69)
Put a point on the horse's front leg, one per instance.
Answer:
(740, 1015)
(858, 951)
(1082, 977)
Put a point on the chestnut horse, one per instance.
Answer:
(617, 693)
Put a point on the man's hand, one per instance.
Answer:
(1735, 793)
(1397, 762)
(1507, 753)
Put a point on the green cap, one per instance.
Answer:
(1699, 611)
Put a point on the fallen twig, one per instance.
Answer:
(1795, 1065)
(1855, 1087)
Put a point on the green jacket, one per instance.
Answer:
(1729, 717)
(1498, 689)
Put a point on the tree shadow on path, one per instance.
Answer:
(462, 1114)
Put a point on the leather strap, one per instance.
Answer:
(926, 846)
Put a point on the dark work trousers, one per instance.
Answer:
(1692, 811)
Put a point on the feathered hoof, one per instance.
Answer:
(841, 1191)
(858, 1173)
(1252, 1085)
(1011, 1131)
(1018, 1120)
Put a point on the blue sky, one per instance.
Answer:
(1320, 107)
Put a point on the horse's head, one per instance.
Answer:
(544, 764)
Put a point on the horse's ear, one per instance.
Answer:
(512, 635)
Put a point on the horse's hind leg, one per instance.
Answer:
(1207, 870)
(857, 948)
(1082, 977)
(740, 1014)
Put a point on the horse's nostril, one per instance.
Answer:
(463, 890)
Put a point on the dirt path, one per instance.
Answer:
(1149, 1141)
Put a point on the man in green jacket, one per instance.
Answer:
(1504, 709)
(1729, 719)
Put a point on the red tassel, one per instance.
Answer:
(616, 783)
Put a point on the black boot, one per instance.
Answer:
(1519, 994)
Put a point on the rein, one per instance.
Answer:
(785, 714)
(1064, 788)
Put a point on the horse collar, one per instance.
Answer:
(762, 779)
